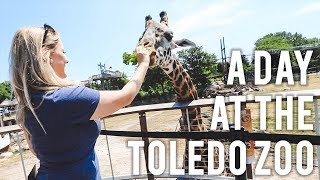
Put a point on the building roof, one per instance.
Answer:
(8, 102)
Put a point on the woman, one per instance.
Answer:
(57, 116)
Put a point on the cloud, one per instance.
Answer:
(213, 15)
(307, 9)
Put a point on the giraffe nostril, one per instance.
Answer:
(146, 44)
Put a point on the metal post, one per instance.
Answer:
(1, 120)
(249, 171)
(143, 126)
(248, 166)
(186, 150)
(239, 136)
(188, 120)
(316, 113)
(109, 152)
(20, 151)
(224, 59)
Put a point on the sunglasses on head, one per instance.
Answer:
(47, 28)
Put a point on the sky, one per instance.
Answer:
(102, 30)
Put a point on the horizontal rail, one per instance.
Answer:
(209, 102)
(167, 175)
(230, 135)
(179, 105)
(9, 129)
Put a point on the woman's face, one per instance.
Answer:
(58, 60)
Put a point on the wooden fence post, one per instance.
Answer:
(143, 126)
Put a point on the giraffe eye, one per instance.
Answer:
(159, 30)
(157, 35)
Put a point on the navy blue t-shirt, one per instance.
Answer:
(67, 150)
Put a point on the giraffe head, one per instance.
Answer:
(158, 38)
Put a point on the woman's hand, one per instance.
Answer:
(143, 55)
(111, 101)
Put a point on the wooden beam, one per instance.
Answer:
(9, 129)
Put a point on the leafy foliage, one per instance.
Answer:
(316, 52)
(284, 41)
(281, 40)
(313, 40)
(118, 83)
(200, 65)
(272, 41)
(5, 91)
(110, 84)
(246, 63)
(129, 58)
(156, 84)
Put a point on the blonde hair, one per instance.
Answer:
(30, 68)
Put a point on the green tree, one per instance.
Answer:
(5, 91)
(129, 58)
(246, 63)
(157, 83)
(201, 66)
(313, 40)
(316, 52)
(118, 83)
(274, 42)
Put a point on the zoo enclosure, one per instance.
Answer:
(141, 110)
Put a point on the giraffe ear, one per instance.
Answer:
(182, 43)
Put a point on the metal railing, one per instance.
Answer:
(141, 110)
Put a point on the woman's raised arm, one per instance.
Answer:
(111, 101)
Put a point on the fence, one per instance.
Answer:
(141, 110)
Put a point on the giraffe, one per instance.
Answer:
(158, 38)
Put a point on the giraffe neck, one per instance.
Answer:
(183, 85)
(185, 91)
